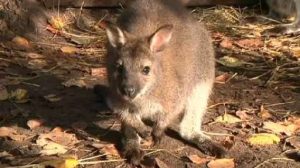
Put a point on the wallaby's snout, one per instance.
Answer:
(128, 90)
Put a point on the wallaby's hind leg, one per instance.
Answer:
(190, 126)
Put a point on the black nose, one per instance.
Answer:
(129, 91)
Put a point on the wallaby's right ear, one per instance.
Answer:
(116, 36)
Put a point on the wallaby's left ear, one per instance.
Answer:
(160, 39)
(116, 36)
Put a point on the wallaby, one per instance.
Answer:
(161, 65)
(285, 8)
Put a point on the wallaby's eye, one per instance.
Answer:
(146, 70)
(119, 67)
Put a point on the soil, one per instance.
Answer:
(71, 77)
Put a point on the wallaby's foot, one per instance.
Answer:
(133, 155)
(144, 133)
(210, 147)
(286, 29)
(157, 136)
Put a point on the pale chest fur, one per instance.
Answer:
(147, 109)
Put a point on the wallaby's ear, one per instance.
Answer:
(116, 36)
(160, 39)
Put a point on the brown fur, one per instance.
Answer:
(160, 35)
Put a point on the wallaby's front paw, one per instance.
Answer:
(134, 156)
(157, 136)
(144, 134)
(212, 148)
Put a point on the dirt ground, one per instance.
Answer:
(48, 70)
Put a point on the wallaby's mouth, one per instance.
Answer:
(128, 93)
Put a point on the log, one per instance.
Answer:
(116, 3)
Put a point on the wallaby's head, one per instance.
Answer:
(135, 61)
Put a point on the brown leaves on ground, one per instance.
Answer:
(69, 50)
(56, 142)
(221, 163)
(21, 42)
(35, 123)
(254, 43)
(198, 160)
(227, 118)
(264, 139)
(109, 150)
(12, 133)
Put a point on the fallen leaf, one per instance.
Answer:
(264, 139)
(161, 164)
(264, 113)
(221, 163)
(226, 43)
(33, 55)
(243, 115)
(296, 52)
(50, 148)
(280, 128)
(222, 78)
(250, 43)
(34, 123)
(52, 98)
(69, 49)
(230, 61)
(21, 41)
(109, 150)
(57, 135)
(294, 141)
(3, 93)
(11, 133)
(75, 82)
(99, 72)
(57, 22)
(19, 96)
(227, 118)
(37, 63)
(198, 160)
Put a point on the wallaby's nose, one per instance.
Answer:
(129, 91)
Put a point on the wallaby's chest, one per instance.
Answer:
(147, 109)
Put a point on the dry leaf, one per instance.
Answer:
(294, 141)
(75, 82)
(198, 160)
(110, 150)
(296, 52)
(264, 139)
(21, 41)
(50, 148)
(250, 43)
(34, 123)
(161, 164)
(61, 163)
(99, 72)
(280, 128)
(19, 96)
(58, 136)
(226, 43)
(221, 163)
(222, 78)
(11, 133)
(227, 118)
(52, 98)
(243, 115)
(69, 49)
(264, 113)
(3, 93)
